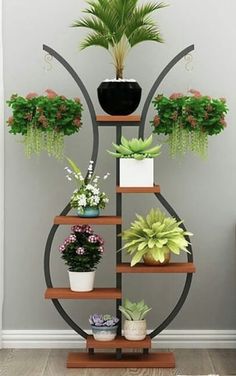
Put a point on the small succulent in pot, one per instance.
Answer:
(154, 237)
(43, 121)
(104, 327)
(135, 326)
(87, 198)
(82, 251)
(118, 26)
(136, 161)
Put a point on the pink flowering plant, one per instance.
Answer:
(43, 121)
(87, 192)
(82, 250)
(188, 120)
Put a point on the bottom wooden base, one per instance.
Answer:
(129, 360)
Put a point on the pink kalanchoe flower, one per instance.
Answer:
(89, 230)
(195, 93)
(93, 239)
(77, 228)
(100, 240)
(51, 93)
(62, 248)
(31, 95)
(176, 95)
(101, 249)
(80, 251)
(72, 238)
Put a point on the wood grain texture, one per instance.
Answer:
(193, 362)
(118, 119)
(56, 365)
(174, 267)
(74, 220)
(224, 361)
(132, 359)
(25, 363)
(97, 293)
(154, 189)
(118, 342)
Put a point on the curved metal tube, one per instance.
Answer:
(157, 83)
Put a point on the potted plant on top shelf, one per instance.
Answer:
(87, 198)
(188, 120)
(117, 26)
(154, 237)
(44, 120)
(136, 161)
(135, 326)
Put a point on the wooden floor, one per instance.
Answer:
(52, 363)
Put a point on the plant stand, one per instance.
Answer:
(117, 359)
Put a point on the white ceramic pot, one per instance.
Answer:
(81, 281)
(135, 173)
(135, 330)
(104, 333)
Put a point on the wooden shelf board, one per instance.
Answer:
(97, 293)
(118, 119)
(174, 267)
(75, 220)
(154, 189)
(118, 342)
(129, 360)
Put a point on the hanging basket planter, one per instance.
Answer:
(188, 120)
(43, 121)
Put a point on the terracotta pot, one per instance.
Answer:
(149, 259)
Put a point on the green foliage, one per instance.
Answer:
(118, 25)
(43, 121)
(134, 311)
(82, 250)
(188, 121)
(136, 148)
(157, 234)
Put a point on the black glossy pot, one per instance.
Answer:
(119, 97)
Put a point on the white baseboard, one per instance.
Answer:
(61, 339)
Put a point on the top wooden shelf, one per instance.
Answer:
(154, 189)
(74, 220)
(130, 120)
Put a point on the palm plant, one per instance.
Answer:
(118, 25)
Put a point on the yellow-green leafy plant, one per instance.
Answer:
(156, 234)
(135, 148)
(119, 25)
(134, 311)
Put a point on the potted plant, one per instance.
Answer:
(188, 120)
(154, 237)
(136, 161)
(87, 198)
(104, 327)
(117, 26)
(82, 251)
(43, 121)
(135, 326)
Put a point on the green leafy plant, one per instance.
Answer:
(118, 25)
(134, 311)
(157, 234)
(87, 192)
(82, 249)
(43, 121)
(188, 120)
(135, 148)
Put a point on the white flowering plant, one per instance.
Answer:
(87, 193)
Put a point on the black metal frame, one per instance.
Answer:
(161, 199)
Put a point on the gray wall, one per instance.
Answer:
(202, 192)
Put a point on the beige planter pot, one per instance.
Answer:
(135, 330)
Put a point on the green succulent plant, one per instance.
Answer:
(157, 234)
(118, 25)
(134, 311)
(135, 148)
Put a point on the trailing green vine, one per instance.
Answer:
(43, 121)
(188, 121)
